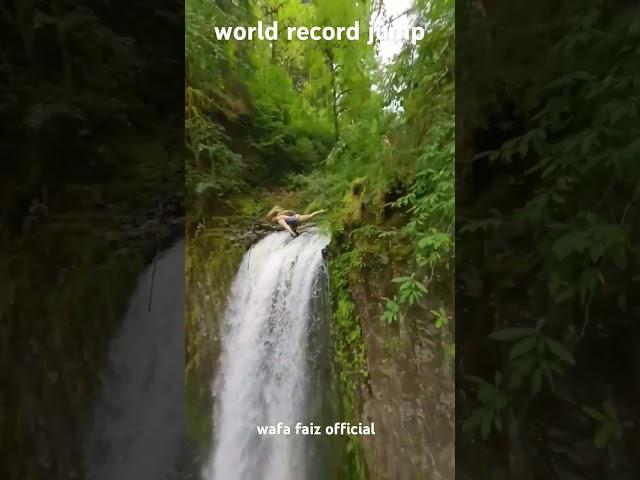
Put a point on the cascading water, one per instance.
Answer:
(273, 363)
(138, 428)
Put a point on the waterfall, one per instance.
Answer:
(271, 363)
(139, 420)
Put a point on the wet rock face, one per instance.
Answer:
(212, 258)
(410, 395)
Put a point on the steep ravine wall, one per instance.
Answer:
(407, 386)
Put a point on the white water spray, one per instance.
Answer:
(139, 420)
(264, 376)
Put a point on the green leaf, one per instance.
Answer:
(388, 317)
(574, 242)
(354, 334)
(523, 346)
(487, 394)
(420, 286)
(601, 437)
(560, 351)
(594, 413)
(401, 279)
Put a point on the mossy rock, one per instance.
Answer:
(354, 206)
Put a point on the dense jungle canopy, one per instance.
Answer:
(547, 239)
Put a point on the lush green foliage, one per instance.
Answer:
(75, 86)
(350, 349)
(370, 143)
(210, 266)
(549, 224)
(85, 92)
(427, 132)
(252, 115)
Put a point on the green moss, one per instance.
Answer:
(68, 284)
(349, 352)
(212, 260)
(353, 203)
(61, 340)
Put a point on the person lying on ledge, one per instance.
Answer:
(290, 220)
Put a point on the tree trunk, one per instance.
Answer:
(334, 92)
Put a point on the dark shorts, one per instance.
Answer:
(292, 220)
